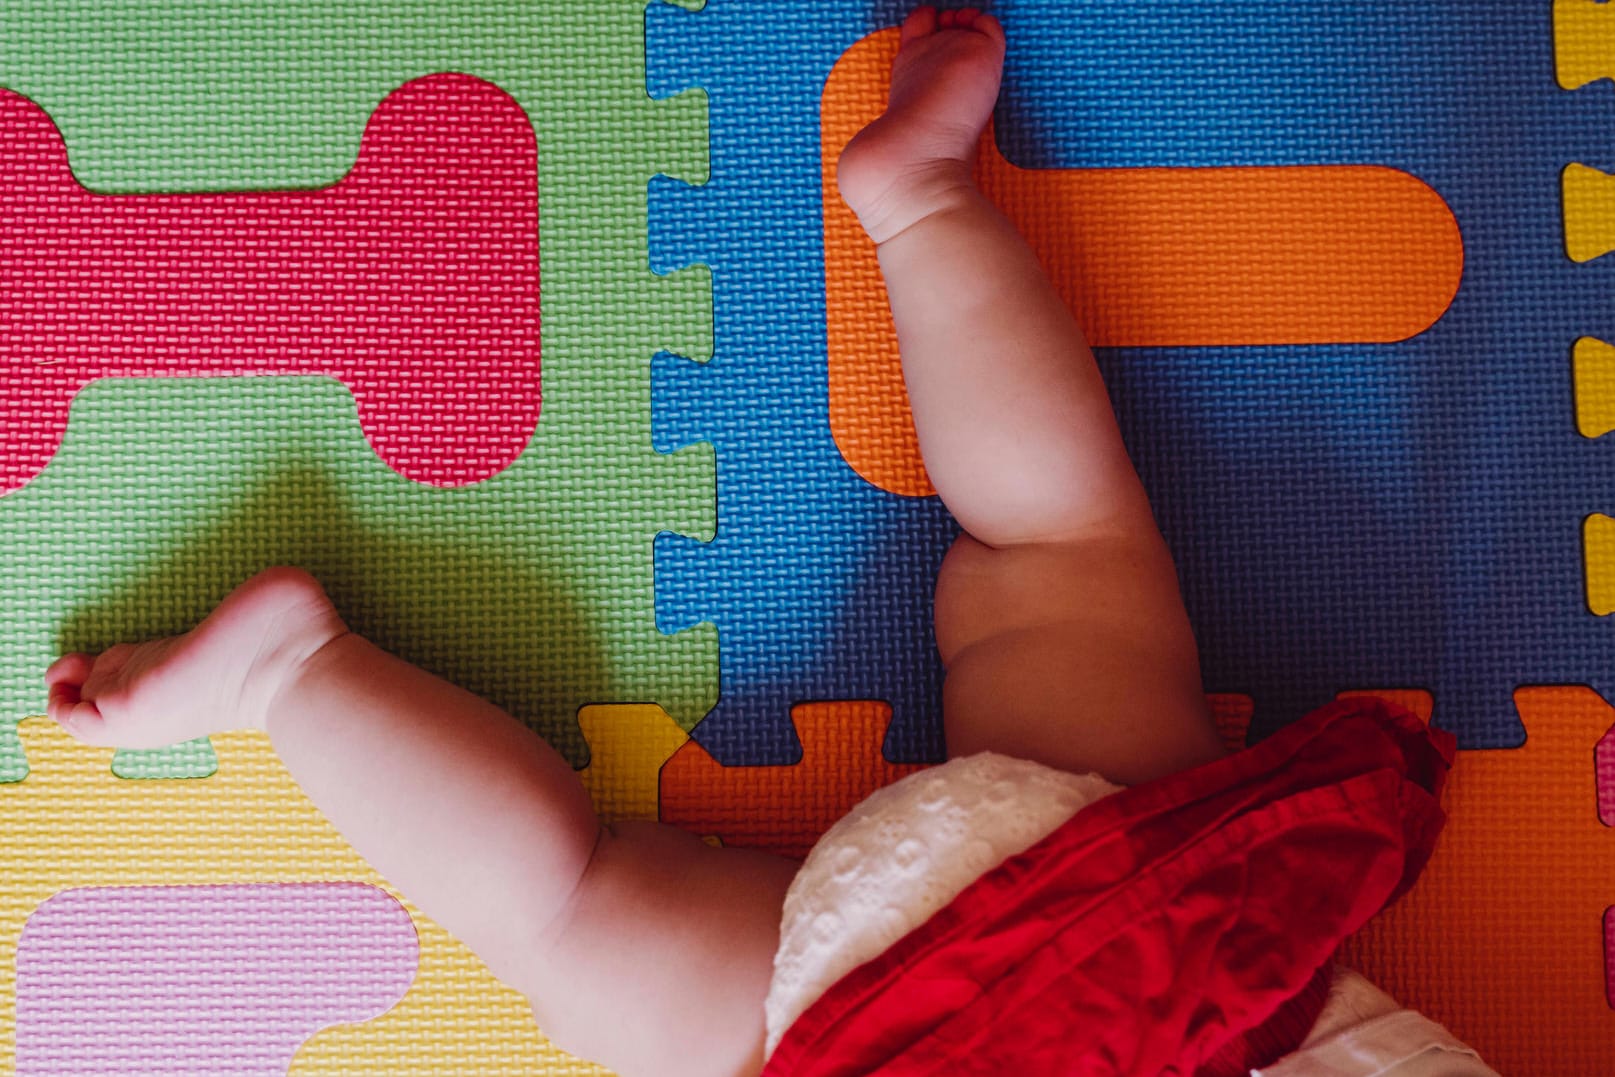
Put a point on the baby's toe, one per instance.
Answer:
(75, 714)
(72, 668)
(921, 22)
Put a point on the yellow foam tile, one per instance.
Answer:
(628, 745)
(1589, 212)
(1598, 544)
(72, 823)
(1583, 42)
(1592, 363)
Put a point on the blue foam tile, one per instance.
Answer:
(1345, 517)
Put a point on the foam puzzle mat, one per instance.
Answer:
(537, 332)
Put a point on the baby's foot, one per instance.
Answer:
(221, 675)
(917, 157)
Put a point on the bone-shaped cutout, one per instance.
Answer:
(214, 980)
(414, 280)
(1333, 254)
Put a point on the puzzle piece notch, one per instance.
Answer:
(415, 280)
(1233, 713)
(676, 556)
(1609, 954)
(680, 235)
(1604, 764)
(686, 294)
(1583, 42)
(785, 809)
(1519, 819)
(215, 980)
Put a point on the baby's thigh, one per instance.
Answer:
(662, 962)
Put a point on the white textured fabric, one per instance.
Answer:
(900, 856)
(1363, 1032)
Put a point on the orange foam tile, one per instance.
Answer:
(1145, 256)
(1502, 939)
(785, 809)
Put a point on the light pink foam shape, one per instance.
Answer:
(224, 981)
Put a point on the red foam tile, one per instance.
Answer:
(414, 280)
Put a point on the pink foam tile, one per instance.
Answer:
(224, 981)
(1604, 765)
(414, 280)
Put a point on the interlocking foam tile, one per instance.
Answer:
(207, 980)
(1503, 939)
(785, 809)
(414, 280)
(628, 745)
(1344, 514)
(168, 492)
(819, 585)
(1584, 40)
(216, 102)
(534, 586)
(1141, 256)
(71, 824)
(1593, 371)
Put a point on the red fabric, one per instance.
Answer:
(1156, 927)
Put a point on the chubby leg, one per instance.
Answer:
(631, 942)
(1058, 613)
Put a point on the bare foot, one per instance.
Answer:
(221, 675)
(919, 154)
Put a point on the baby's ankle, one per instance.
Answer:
(295, 623)
(888, 205)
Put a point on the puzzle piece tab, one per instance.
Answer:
(785, 809)
(415, 280)
(628, 746)
(1593, 370)
(216, 981)
(1589, 212)
(1598, 541)
(1583, 42)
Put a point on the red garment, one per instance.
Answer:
(1156, 927)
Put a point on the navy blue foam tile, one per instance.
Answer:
(1402, 515)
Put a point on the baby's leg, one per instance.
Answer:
(632, 943)
(1058, 614)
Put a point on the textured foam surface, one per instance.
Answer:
(1287, 255)
(73, 825)
(784, 809)
(533, 586)
(414, 280)
(1504, 939)
(205, 980)
(1424, 513)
